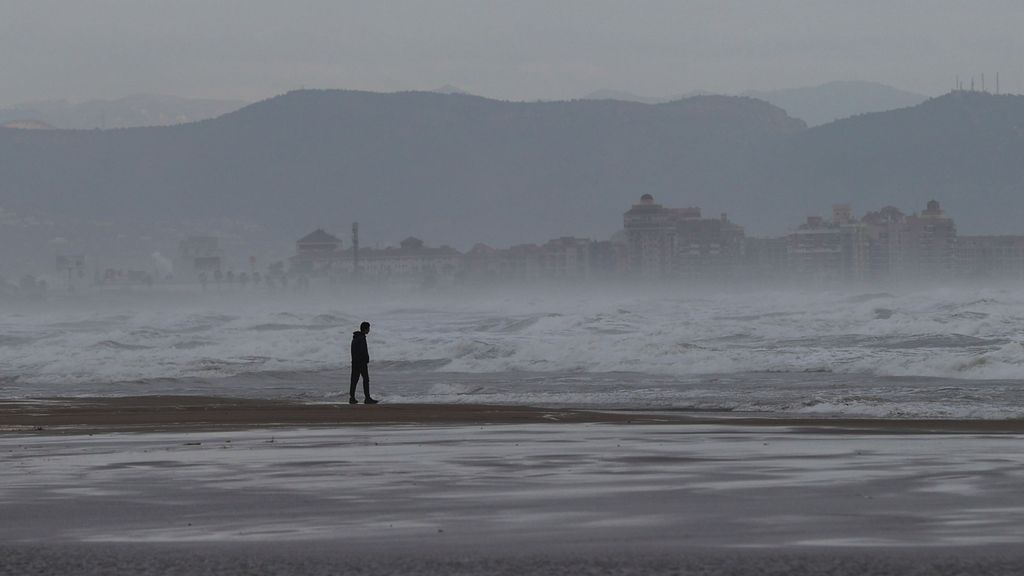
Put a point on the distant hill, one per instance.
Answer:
(461, 169)
(813, 104)
(128, 112)
(836, 100)
(447, 168)
(963, 149)
(631, 97)
(625, 97)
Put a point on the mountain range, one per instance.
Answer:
(815, 105)
(460, 169)
(826, 103)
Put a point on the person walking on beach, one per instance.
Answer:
(360, 365)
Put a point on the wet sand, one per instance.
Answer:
(325, 559)
(184, 413)
(196, 485)
(191, 413)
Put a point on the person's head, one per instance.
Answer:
(364, 327)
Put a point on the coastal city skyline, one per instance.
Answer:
(658, 243)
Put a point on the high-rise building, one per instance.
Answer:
(815, 250)
(678, 242)
(928, 244)
(885, 238)
(831, 251)
(651, 237)
(707, 248)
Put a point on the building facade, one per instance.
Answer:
(928, 244)
(651, 239)
(317, 254)
(883, 245)
(678, 243)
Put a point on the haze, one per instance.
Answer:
(522, 50)
(655, 287)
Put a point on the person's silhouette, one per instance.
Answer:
(360, 365)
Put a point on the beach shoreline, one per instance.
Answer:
(198, 413)
(327, 557)
(200, 485)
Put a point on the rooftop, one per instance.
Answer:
(318, 236)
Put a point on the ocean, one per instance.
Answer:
(938, 353)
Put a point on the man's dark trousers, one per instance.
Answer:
(357, 371)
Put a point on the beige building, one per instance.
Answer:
(815, 250)
(882, 245)
(707, 248)
(318, 254)
(677, 242)
(566, 258)
(885, 229)
(928, 244)
(651, 239)
(481, 263)
(412, 261)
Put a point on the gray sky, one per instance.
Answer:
(517, 49)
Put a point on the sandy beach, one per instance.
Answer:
(196, 485)
(195, 413)
(190, 413)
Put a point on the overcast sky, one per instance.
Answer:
(516, 49)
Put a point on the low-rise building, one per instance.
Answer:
(318, 254)
(481, 264)
(520, 263)
(412, 260)
(566, 258)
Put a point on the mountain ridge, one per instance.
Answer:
(837, 100)
(459, 169)
(815, 105)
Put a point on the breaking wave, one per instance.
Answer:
(955, 335)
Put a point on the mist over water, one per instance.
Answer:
(942, 352)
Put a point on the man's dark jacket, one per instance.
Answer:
(360, 355)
